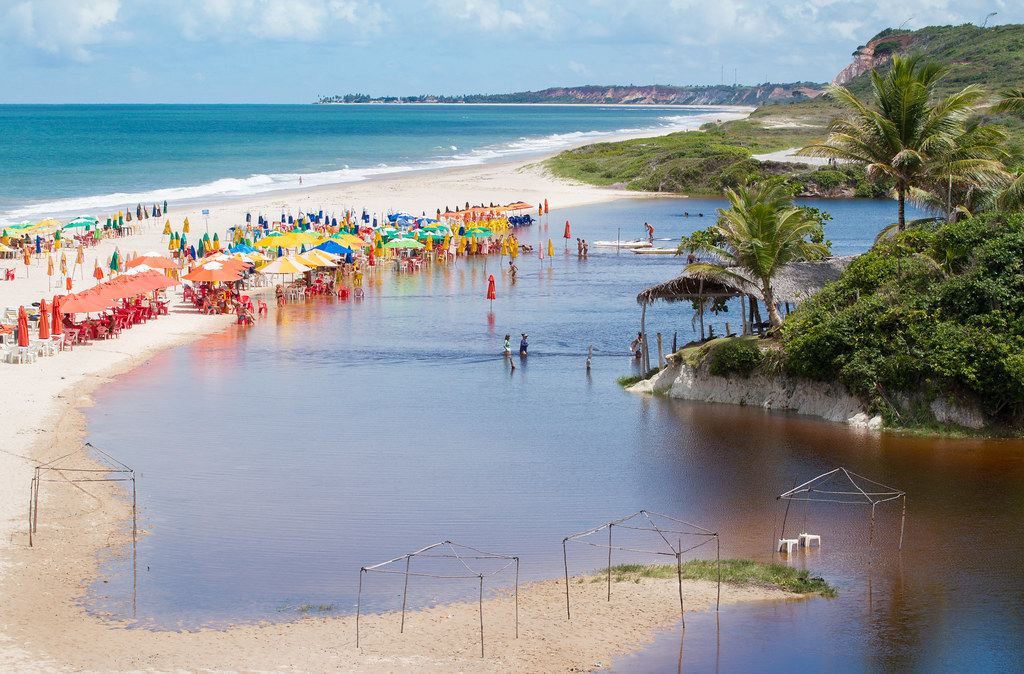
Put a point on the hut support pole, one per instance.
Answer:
(743, 313)
(481, 605)
(643, 349)
(661, 353)
(565, 561)
(718, 552)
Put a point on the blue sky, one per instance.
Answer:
(291, 51)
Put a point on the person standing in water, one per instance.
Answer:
(523, 345)
(508, 345)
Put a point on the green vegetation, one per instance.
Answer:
(918, 141)
(935, 311)
(735, 356)
(734, 572)
(319, 608)
(629, 380)
(762, 232)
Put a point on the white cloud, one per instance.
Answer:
(277, 20)
(60, 29)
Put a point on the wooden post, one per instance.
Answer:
(679, 577)
(609, 562)
(481, 604)
(743, 314)
(903, 520)
(647, 356)
(643, 317)
(590, 354)
(405, 592)
(674, 347)
(565, 560)
(727, 329)
(661, 354)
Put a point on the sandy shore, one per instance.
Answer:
(42, 624)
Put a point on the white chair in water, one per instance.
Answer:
(806, 539)
(788, 545)
(21, 354)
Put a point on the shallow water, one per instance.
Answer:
(276, 461)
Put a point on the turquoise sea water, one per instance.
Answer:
(67, 160)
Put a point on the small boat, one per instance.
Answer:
(622, 244)
(654, 251)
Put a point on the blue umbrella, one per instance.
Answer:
(333, 247)
(334, 222)
(248, 217)
(39, 244)
(348, 258)
(280, 253)
(291, 220)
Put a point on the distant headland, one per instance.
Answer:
(616, 95)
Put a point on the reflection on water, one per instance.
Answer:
(276, 461)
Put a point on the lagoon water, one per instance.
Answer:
(276, 461)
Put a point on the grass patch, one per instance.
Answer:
(734, 572)
(318, 608)
(635, 378)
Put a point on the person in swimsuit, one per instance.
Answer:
(523, 345)
(508, 346)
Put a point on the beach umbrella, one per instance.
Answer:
(167, 227)
(115, 261)
(80, 257)
(566, 236)
(332, 246)
(213, 271)
(39, 245)
(138, 212)
(49, 265)
(545, 206)
(174, 243)
(55, 328)
(84, 303)
(551, 249)
(216, 241)
(491, 293)
(185, 227)
(23, 336)
(128, 215)
(97, 273)
(283, 265)
(154, 260)
(63, 264)
(403, 243)
(44, 320)
(165, 205)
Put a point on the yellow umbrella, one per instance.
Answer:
(551, 249)
(63, 264)
(349, 240)
(316, 258)
(302, 237)
(513, 248)
(504, 246)
(472, 248)
(282, 240)
(286, 264)
(81, 255)
(184, 227)
(167, 227)
(447, 240)
(49, 266)
(430, 243)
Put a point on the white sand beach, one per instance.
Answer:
(43, 627)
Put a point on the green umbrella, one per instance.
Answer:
(403, 243)
(477, 232)
(115, 262)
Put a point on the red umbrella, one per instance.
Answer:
(57, 328)
(23, 336)
(491, 294)
(567, 236)
(545, 206)
(44, 320)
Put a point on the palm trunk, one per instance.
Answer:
(773, 311)
(901, 192)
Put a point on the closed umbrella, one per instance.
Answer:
(491, 293)
(23, 336)
(566, 236)
(551, 249)
(44, 320)
(56, 328)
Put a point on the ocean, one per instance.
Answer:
(66, 160)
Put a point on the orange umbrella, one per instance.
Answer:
(97, 272)
(56, 328)
(44, 320)
(84, 303)
(154, 261)
(23, 336)
(491, 294)
(545, 205)
(118, 289)
(567, 235)
(214, 271)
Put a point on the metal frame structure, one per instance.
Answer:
(453, 553)
(680, 529)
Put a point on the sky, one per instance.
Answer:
(293, 51)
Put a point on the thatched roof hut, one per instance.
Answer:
(796, 282)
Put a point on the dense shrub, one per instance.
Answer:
(735, 356)
(935, 310)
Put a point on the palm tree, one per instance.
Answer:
(904, 133)
(1012, 197)
(763, 232)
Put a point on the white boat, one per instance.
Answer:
(654, 251)
(621, 244)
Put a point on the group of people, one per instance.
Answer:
(523, 345)
(581, 247)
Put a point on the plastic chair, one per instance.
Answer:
(806, 539)
(787, 545)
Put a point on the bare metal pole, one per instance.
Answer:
(718, 599)
(610, 562)
(481, 616)
(359, 601)
(871, 532)
(903, 520)
(517, 597)
(405, 592)
(565, 560)
(679, 577)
